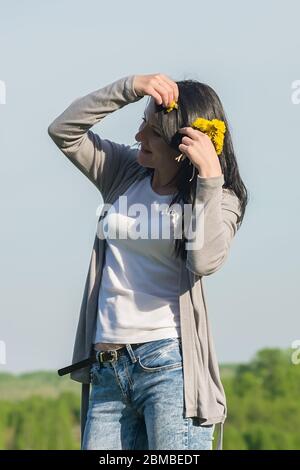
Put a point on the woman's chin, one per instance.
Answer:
(143, 159)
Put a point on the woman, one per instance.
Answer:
(143, 339)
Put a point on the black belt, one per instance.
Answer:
(96, 356)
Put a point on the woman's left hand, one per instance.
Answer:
(198, 147)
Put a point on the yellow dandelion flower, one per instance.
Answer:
(201, 124)
(219, 125)
(215, 129)
(172, 106)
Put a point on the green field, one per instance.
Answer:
(40, 410)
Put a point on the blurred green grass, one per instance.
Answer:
(49, 384)
(15, 387)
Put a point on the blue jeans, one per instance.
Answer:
(137, 402)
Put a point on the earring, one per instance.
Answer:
(193, 173)
(180, 157)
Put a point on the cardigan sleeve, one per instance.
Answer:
(98, 159)
(215, 222)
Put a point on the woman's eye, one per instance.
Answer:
(156, 133)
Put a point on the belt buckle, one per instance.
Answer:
(112, 352)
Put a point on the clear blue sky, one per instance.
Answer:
(53, 52)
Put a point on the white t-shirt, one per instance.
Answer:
(139, 291)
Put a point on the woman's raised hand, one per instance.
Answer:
(162, 88)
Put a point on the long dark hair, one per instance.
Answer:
(197, 99)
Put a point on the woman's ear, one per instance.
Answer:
(176, 140)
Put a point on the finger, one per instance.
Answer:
(156, 96)
(162, 80)
(191, 132)
(187, 140)
(174, 86)
(184, 149)
(165, 90)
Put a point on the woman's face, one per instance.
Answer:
(154, 152)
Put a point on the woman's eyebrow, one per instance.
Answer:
(152, 127)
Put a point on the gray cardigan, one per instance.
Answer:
(112, 167)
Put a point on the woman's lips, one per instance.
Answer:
(145, 150)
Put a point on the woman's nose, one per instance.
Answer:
(138, 134)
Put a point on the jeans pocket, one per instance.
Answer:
(161, 355)
(207, 431)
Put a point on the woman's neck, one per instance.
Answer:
(162, 185)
